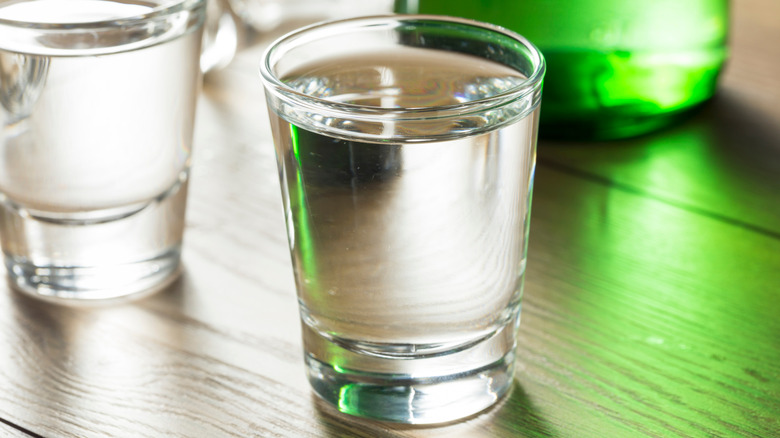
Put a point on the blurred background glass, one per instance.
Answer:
(220, 36)
(234, 24)
(265, 15)
(615, 68)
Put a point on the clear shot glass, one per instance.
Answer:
(97, 102)
(406, 150)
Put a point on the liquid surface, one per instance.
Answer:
(407, 78)
(93, 27)
(405, 248)
(71, 11)
(404, 78)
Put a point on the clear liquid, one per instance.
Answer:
(414, 248)
(96, 137)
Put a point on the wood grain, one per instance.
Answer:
(11, 430)
(660, 318)
(651, 304)
(722, 162)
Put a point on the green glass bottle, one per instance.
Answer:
(615, 68)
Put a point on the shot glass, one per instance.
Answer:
(97, 103)
(406, 150)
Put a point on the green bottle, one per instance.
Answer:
(615, 68)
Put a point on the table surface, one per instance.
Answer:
(651, 305)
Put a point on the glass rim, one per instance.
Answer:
(531, 84)
(166, 8)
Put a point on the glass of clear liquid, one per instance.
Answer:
(97, 103)
(406, 150)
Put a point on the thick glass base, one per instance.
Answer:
(426, 390)
(94, 255)
(405, 399)
(83, 284)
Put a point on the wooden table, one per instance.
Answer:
(652, 304)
